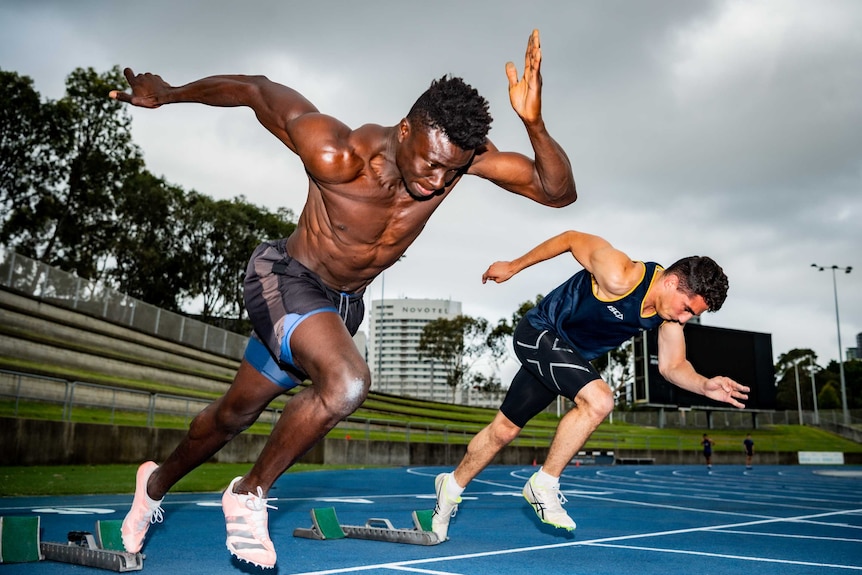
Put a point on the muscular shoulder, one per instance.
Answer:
(331, 151)
(616, 274)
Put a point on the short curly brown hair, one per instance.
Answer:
(700, 275)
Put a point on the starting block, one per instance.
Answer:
(325, 525)
(20, 543)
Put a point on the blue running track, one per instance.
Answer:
(772, 520)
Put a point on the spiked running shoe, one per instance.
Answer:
(247, 526)
(444, 509)
(547, 503)
(144, 511)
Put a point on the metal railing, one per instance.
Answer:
(51, 285)
(75, 399)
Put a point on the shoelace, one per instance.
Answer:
(258, 504)
(556, 494)
(154, 516)
(454, 511)
(158, 515)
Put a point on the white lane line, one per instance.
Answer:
(415, 570)
(726, 556)
(401, 564)
(789, 536)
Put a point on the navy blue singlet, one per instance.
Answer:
(591, 325)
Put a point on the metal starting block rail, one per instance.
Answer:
(325, 525)
(20, 543)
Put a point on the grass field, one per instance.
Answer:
(107, 479)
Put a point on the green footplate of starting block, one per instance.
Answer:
(19, 539)
(325, 525)
(109, 534)
(422, 519)
(326, 522)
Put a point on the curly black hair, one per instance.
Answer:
(700, 275)
(456, 108)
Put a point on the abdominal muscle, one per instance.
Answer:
(349, 241)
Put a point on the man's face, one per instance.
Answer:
(428, 161)
(679, 306)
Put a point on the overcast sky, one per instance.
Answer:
(730, 128)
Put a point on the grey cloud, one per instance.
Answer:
(687, 131)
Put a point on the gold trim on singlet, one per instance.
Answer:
(651, 282)
(594, 287)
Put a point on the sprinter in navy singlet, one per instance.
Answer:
(594, 311)
(556, 340)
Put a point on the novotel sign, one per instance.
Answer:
(414, 309)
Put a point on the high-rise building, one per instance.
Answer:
(855, 353)
(395, 328)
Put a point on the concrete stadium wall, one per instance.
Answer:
(37, 442)
(40, 442)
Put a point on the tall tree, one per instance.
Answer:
(71, 221)
(75, 194)
(486, 384)
(220, 237)
(150, 261)
(456, 344)
(244, 226)
(827, 381)
(500, 336)
(28, 159)
(829, 398)
(852, 381)
(796, 362)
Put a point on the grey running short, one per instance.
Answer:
(279, 294)
(549, 367)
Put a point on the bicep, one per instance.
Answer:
(277, 106)
(511, 171)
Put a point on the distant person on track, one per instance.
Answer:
(707, 444)
(371, 190)
(593, 312)
(748, 445)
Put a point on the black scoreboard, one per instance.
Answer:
(740, 355)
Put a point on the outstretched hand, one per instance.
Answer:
(526, 94)
(499, 272)
(146, 89)
(726, 390)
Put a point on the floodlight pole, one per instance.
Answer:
(813, 389)
(378, 333)
(847, 270)
(798, 395)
